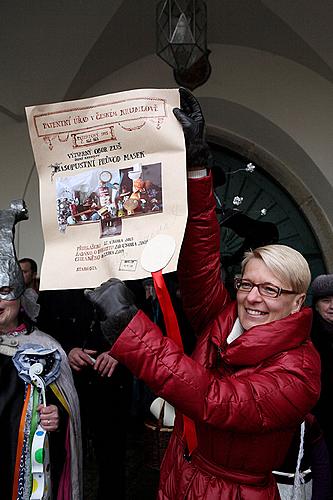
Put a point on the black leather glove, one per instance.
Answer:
(192, 120)
(114, 307)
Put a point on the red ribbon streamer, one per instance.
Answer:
(172, 330)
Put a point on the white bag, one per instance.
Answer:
(169, 411)
(300, 489)
(287, 491)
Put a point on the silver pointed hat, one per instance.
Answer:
(11, 278)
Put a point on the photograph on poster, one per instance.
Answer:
(106, 197)
(111, 227)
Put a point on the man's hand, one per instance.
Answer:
(79, 358)
(114, 307)
(192, 120)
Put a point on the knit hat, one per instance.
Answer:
(322, 286)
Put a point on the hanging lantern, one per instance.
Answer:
(182, 40)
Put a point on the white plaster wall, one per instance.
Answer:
(18, 178)
(290, 96)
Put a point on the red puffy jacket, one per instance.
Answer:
(246, 398)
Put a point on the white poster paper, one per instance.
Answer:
(112, 176)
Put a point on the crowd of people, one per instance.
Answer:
(251, 393)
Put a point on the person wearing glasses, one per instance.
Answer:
(253, 375)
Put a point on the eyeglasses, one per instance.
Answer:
(265, 289)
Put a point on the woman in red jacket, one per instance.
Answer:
(254, 373)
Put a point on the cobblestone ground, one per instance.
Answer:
(142, 481)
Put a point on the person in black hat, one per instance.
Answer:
(322, 292)
(322, 336)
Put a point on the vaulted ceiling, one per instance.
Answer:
(57, 49)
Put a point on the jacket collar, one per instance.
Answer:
(261, 342)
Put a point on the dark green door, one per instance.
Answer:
(263, 199)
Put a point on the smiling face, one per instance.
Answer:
(255, 310)
(324, 306)
(9, 310)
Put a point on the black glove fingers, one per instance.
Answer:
(185, 96)
(114, 307)
(99, 314)
(187, 108)
(87, 293)
(113, 281)
(190, 104)
(184, 120)
(192, 121)
(186, 102)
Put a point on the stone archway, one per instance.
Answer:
(255, 138)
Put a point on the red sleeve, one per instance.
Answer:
(199, 268)
(273, 396)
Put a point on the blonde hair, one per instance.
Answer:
(288, 265)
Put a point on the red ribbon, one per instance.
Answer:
(172, 331)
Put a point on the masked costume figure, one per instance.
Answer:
(19, 397)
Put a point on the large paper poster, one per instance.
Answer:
(112, 176)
